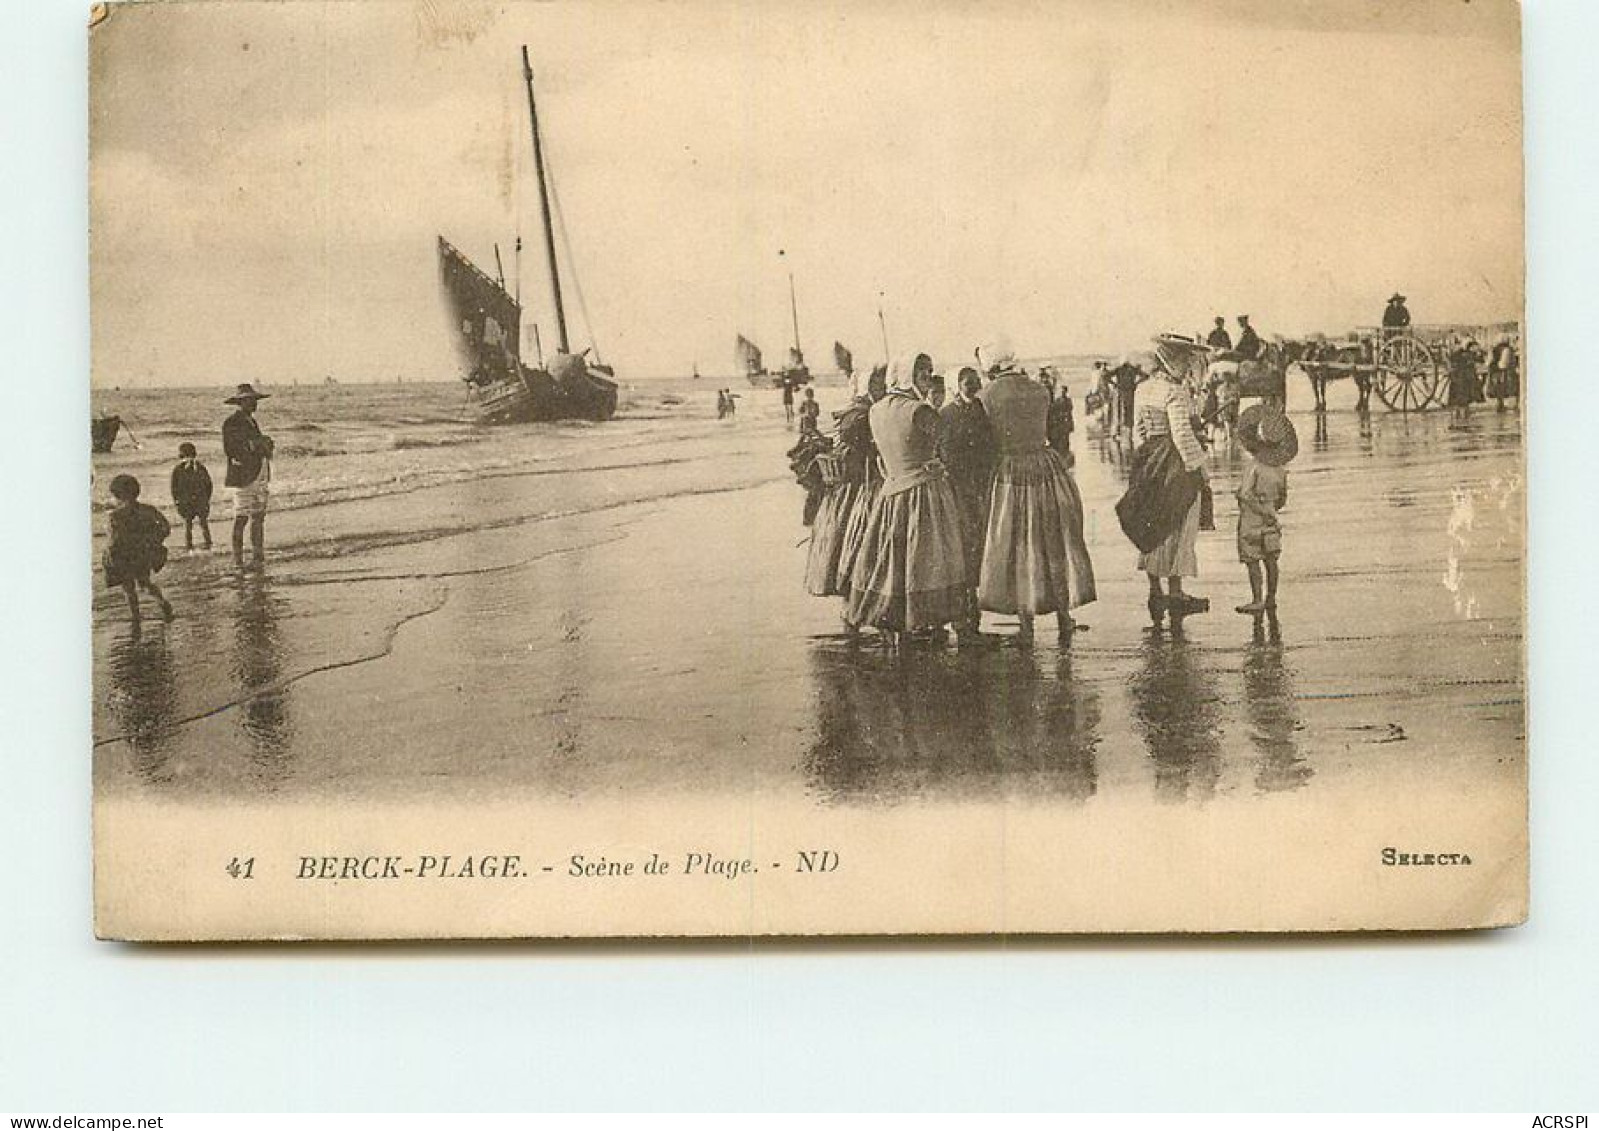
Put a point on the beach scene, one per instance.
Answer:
(571, 610)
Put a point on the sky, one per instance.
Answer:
(268, 179)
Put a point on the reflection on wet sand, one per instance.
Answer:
(1177, 710)
(257, 666)
(950, 725)
(1269, 703)
(144, 700)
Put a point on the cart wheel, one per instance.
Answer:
(1407, 375)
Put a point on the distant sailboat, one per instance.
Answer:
(747, 358)
(843, 360)
(748, 355)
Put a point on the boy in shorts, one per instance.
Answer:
(1266, 433)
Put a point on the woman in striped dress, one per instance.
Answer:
(1160, 510)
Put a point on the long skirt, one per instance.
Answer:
(1501, 383)
(822, 575)
(854, 537)
(1176, 556)
(1035, 559)
(1159, 492)
(910, 572)
(972, 496)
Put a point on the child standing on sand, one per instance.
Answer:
(138, 532)
(191, 495)
(1266, 433)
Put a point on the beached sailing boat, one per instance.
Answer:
(488, 323)
(748, 356)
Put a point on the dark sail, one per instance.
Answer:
(748, 356)
(487, 320)
(843, 359)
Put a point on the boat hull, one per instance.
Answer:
(103, 432)
(765, 380)
(538, 396)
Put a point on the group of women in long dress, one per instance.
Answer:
(929, 518)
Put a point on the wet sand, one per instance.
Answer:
(631, 623)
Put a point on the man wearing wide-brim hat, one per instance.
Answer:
(1397, 315)
(249, 454)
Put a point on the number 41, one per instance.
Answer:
(241, 869)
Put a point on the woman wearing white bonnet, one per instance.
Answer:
(996, 357)
(910, 571)
(841, 518)
(1035, 558)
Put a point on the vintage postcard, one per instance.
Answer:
(720, 468)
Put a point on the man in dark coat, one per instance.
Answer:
(966, 445)
(1248, 341)
(1059, 425)
(1397, 314)
(249, 471)
(1219, 338)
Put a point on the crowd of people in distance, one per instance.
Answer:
(924, 517)
(137, 548)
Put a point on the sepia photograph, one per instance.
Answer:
(726, 469)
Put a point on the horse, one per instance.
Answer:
(1325, 361)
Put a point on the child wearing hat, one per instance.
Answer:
(1268, 436)
(191, 495)
(138, 532)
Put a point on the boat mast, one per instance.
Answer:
(544, 205)
(793, 309)
(882, 325)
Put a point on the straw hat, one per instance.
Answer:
(1268, 436)
(246, 392)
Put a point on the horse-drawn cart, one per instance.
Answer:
(1407, 368)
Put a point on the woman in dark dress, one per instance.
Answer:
(841, 517)
(1463, 391)
(910, 571)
